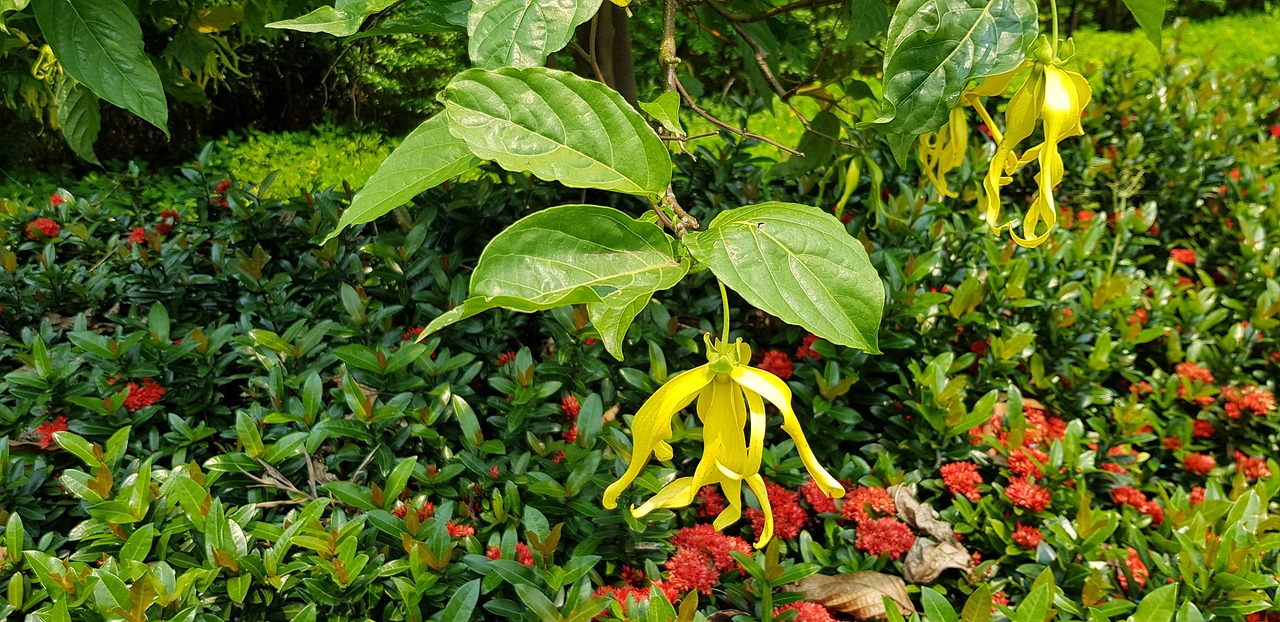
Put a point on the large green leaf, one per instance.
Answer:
(99, 43)
(798, 263)
(342, 19)
(818, 144)
(1159, 605)
(869, 18)
(521, 33)
(934, 46)
(1150, 16)
(571, 254)
(428, 156)
(558, 127)
(79, 118)
(612, 318)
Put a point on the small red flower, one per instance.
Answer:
(788, 517)
(715, 544)
(412, 334)
(1234, 174)
(558, 457)
(56, 199)
(962, 479)
(818, 500)
(222, 187)
(776, 363)
(1025, 493)
(806, 612)
(1197, 495)
(692, 569)
(523, 554)
(460, 531)
(884, 536)
(47, 429)
(979, 347)
(806, 351)
(571, 435)
(1275, 130)
(493, 553)
(864, 498)
(1136, 568)
(1085, 216)
(493, 471)
(1202, 429)
(1253, 468)
(712, 502)
(41, 228)
(141, 396)
(1027, 536)
(506, 357)
(1198, 463)
(1000, 598)
(1183, 256)
(137, 236)
(570, 407)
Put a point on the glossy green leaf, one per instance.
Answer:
(79, 118)
(462, 603)
(1150, 16)
(559, 127)
(522, 33)
(537, 602)
(1034, 607)
(798, 263)
(1159, 605)
(817, 144)
(665, 110)
(936, 606)
(99, 43)
(570, 254)
(978, 607)
(325, 19)
(935, 46)
(428, 156)
(867, 19)
(612, 318)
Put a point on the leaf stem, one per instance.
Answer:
(1053, 14)
(724, 300)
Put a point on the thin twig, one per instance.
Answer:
(686, 221)
(590, 58)
(741, 132)
(662, 217)
(687, 138)
(311, 471)
(365, 463)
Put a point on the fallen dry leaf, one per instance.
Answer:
(725, 615)
(859, 594)
(928, 559)
(920, 516)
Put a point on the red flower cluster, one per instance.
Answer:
(1136, 568)
(1183, 256)
(806, 612)
(47, 429)
(1198, 463)
(702, 554)
(1275, 130)
(1027, 536)
(788, 517)
(862, 498)
(43, 228)
(523, 554)
(818, 500)
(776, 363)
(805, 351)
(141, 396)
(427, 510)
(1027, 461)
(137, 236)
(1253, 468)
(1025, 493)
(711, 502)
(570, 407)
(412, 334)
(884, 536)
(1202, 429)
(1197, 495)
(1128, 495)
(168, 219)
(506, 357)
(460, 531)
(962, 479)
(1250, 398)
(1193, 373)
(56, 199)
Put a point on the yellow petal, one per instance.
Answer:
(651, 426)
(995, 86)
(776, 392)
(755, 449)
(1020, 122)
(672, 495)
(733, 493)
(757, 486)
(1060, 109)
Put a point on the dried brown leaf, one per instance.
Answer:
(928, 559)
(859, 594)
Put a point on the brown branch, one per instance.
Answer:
(667, 49)
(683, 139)
(590, 58)
(741, 132)
(686, 221)
(747, 18)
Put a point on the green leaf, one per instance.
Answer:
(462, 603)
(78, 118)
(1034, 607)
(537, 602)
(797, 263)
(570, 254)
(935, 46)
(817, 144)
(79, 447)
(428, 156)
(397, 480)
(1158, 606)
(138, 546)
(326, 19)
(522, 33)
(936, 607)
(665, 110)
(99, 43)
(613, 317)
(1189, 613)
(559, 127)
(868, 19)
(978, 607)
(1150, 16)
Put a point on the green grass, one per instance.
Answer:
(1224, 43)
(306, 161)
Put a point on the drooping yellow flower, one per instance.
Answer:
(944, 150)
(1054, 95)
(730, 396)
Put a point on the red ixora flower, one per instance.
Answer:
(1027, 536)
(1136, 568)
(711, 502)
(506, 357)
(1183, 255)
(412, 334)
(806, 612)
(715, 544)
(864, 498)
(137, 236)
(1202, 429)
(962, 479)
(818, 500)
(1275, 130)
(776, 363)
(460, 531)
(43, 227)
(47, 429)
(523, 554)
(143, 395)
(570, 407)
(1198, 463)
(692, 569)
(884, 536)
(788, 517)
(56, 199)
(1025, 493)
(222, 187)
(806, 351)
(1251, 398)
(1253, 468)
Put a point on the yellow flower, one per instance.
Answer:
(943, 151)
(1054, 95)
(730, 395)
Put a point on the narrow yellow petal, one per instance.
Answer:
(677, 494)
(757, 486)
(776, 392)
(755, 449)
(995, 86)
(733, 493)
(651, 426)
